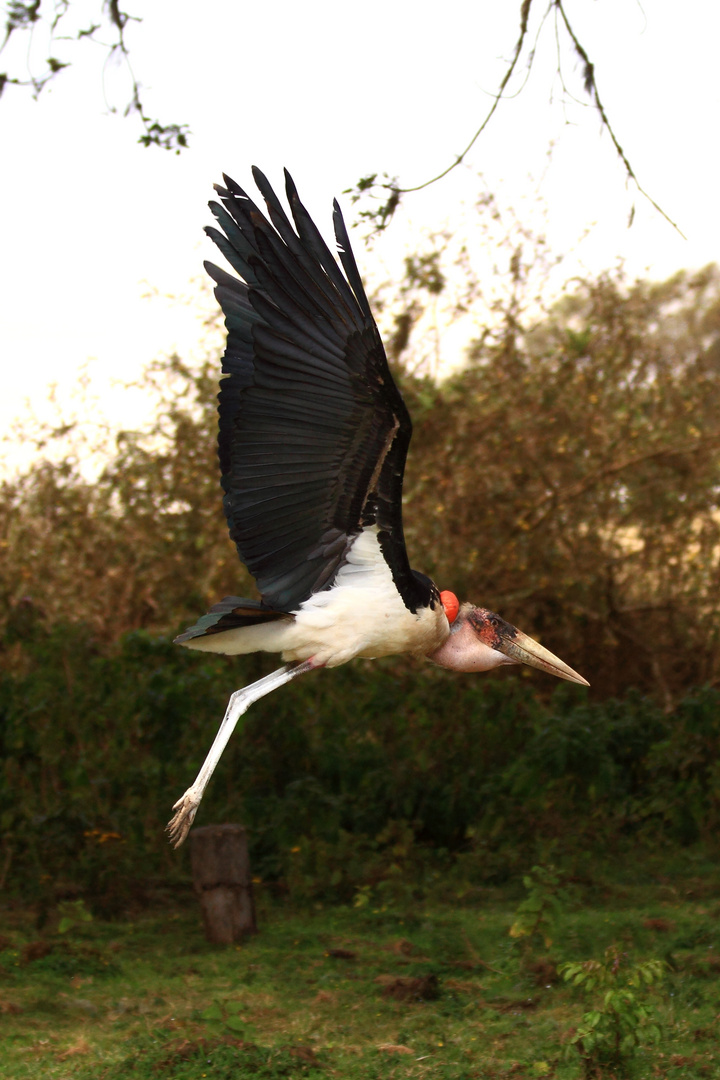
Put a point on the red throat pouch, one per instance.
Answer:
(451, 604)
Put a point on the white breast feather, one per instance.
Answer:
(362, 614)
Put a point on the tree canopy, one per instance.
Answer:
(566, 477)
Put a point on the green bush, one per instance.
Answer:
(344, 779)
(624, 1015)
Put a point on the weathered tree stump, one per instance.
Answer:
(221, 879)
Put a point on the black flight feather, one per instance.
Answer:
(229, 613)
(313, 432)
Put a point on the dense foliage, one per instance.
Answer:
(344, 780)
(568, 478)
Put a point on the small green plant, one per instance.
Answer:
(545, 903)
(223, 1017)
(610, 1032)
(72, 914)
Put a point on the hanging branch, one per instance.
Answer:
(591, 90)
(379, 217)
(26, 15)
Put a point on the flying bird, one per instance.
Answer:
(313, 436)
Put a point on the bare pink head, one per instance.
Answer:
(480, 640)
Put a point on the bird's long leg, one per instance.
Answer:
(186, 807)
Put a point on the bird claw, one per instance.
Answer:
(181, 822)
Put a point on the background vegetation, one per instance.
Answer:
(436, 989)
(567, 477)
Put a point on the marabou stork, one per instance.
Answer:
(312, 443)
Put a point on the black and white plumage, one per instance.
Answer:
(313, 436)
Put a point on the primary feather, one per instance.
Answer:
(313, 431)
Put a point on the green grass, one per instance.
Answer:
(150, 999)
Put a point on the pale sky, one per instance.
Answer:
(91, 222)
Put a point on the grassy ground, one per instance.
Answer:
(435, 989)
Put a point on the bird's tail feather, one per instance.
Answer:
(229, 613)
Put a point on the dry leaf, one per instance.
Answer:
(403, 947)
(36, 950)
(408, 988)
(663, 926)
(303, 1053)
(80, 1047)
(340, 954)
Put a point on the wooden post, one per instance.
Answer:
(221, 878)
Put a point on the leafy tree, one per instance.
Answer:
(144, 543)
(575, 464)
(567, 478)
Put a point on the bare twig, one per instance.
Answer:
(383, 214)
(592, 91)
(524, 13)
(26, 15)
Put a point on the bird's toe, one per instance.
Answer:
(181, 822)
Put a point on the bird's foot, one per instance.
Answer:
(185, 810)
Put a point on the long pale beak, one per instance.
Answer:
(518, 647)
(524, 650)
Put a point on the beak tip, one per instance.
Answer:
(526, 651)
(564, 671)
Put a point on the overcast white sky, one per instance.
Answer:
(91, 222)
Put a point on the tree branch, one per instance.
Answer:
(26, 14)
(591, 90)
(380, 217)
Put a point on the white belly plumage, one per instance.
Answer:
(362, 614)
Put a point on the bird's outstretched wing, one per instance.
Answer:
(313, 430)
